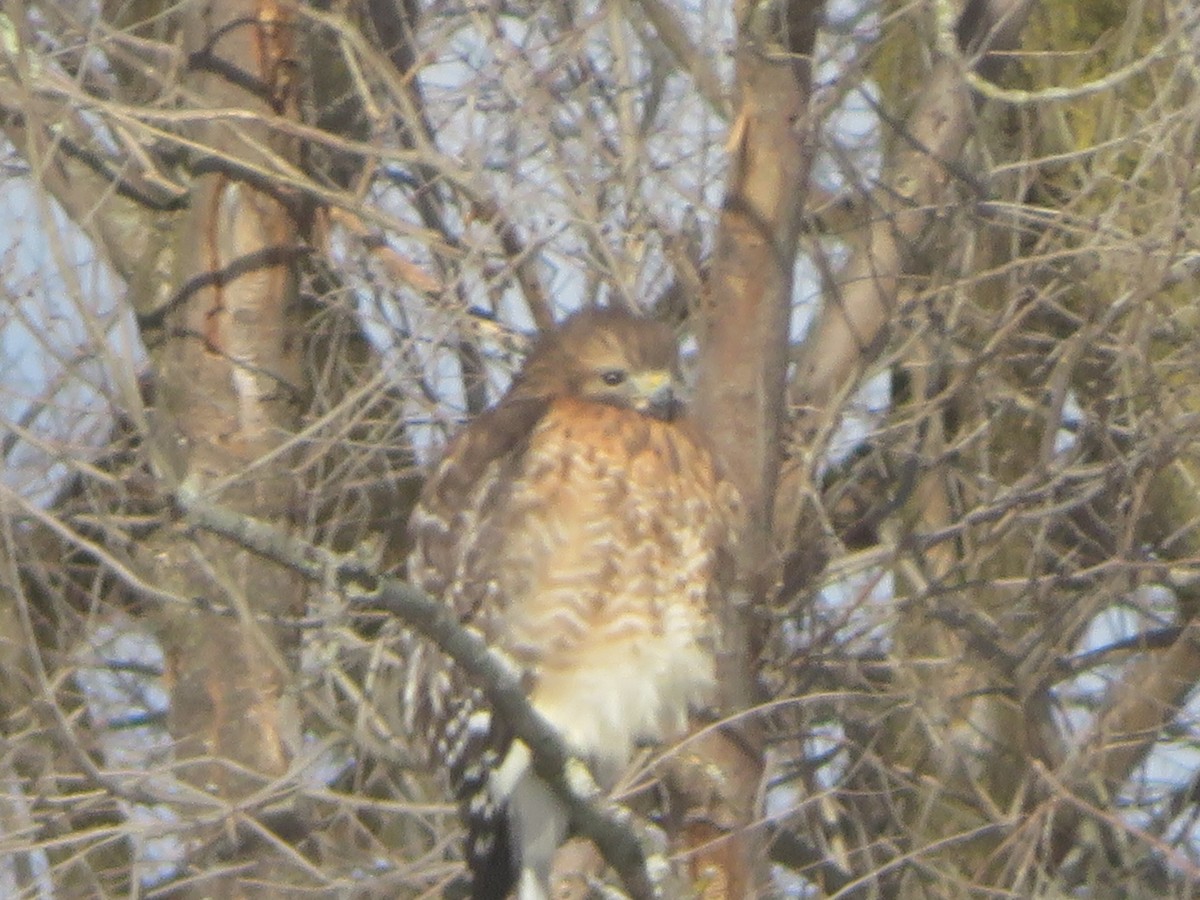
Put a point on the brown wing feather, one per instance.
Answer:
(457, 496)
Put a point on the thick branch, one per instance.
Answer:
(744, 342)
(741, 395)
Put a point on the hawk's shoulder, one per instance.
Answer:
(498, 435)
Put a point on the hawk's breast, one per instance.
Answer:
(609, 542)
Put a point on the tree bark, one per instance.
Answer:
(744, 339)
(230, 389)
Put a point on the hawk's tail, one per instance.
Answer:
(470, 750)
(514, 822)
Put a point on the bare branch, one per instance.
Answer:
(605, 823)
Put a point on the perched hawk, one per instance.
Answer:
(580, 524)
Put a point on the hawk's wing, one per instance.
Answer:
(450, 525)
(454, 549)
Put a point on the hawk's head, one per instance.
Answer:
(609, 356)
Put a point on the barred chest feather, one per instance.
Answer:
(608, 554)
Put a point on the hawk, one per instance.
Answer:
(582, 526)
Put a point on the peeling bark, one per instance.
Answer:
(230, 391)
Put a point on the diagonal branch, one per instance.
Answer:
(608, 825)
(848, 333)
(1147, 699)
(670, 30)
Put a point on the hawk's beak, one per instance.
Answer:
(654, 394)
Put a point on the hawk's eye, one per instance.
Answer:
(613, 377)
